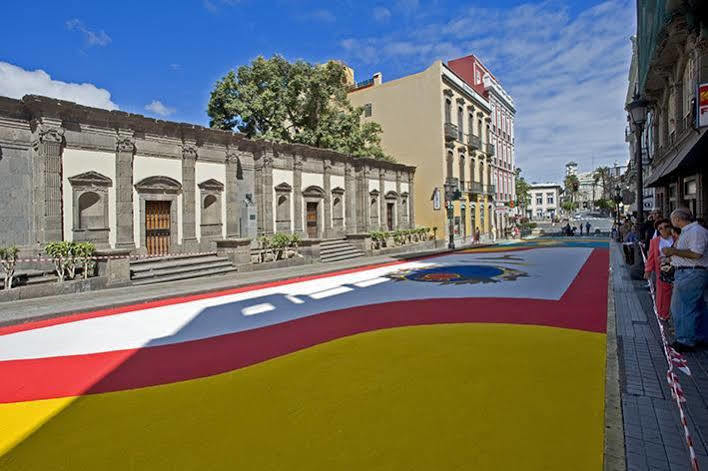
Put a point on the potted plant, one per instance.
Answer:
(8, 260)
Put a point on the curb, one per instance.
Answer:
(242, 284)
(614, 446)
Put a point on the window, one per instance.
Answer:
(450, 158)
(689, 85)
(209, 210)
(477, 76)
(462, 171)
(539, 199)
(91, 211)
(470, 123)
(448, 110)
(460, 123)
(367, 110)
(549, 198)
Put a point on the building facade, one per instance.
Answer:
(120, 180)
(544, 201)
(503, 112)
(672, 60)
(435, 121)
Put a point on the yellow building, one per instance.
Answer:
(438, 123)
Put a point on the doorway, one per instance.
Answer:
(312, 220)
(389, 215)
(157, 227)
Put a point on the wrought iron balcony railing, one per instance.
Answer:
(474, 142)
(450, 132)
(489, 149)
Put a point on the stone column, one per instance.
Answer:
(327, 184)
(48, 146)
(363, 211)
(382, 201)
(267, 172)
(399, 221)
(258, 191)
(231, 194)
(125, 154)
(189, 228)
(349, 195)
(297, 195)
(411, 199)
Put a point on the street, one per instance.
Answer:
(480, 359)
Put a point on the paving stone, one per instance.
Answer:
(653, 433)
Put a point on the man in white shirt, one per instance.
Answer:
(689, 256)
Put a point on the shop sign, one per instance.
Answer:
(703, 105)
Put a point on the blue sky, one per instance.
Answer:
(565, 62)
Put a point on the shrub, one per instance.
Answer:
(8, 260)
(68, 256)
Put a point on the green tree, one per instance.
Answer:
(294, 102)
(522, 192)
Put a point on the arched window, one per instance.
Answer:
(374, 208)
(91, 214)
(462, 172)
(209, 210)
(448, 110)
(282, 207)
(460, 123)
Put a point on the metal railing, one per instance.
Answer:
(450, 131)
(475, 187)
(474, 142)
(489, 149)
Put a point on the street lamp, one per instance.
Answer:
(452, 193)
(618, 200)
(638, 117)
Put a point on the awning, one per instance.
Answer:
(685, 157)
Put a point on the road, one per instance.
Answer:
(481, 359)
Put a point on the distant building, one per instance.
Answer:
(545, 201)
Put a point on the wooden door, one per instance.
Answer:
(312, 220)
(157, 227)
(389, 216)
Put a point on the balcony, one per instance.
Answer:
(489, 149)
(450, 132)
(475, 188)
(491, 190)
(473, 142)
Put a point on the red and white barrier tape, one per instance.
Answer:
(111, 257)
(674, 359)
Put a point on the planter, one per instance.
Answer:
(53, 289)
(290, 262)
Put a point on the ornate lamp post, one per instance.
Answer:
(638, 117)
(451, 194)
(618, 199)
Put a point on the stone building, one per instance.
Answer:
(120, 180)
(672, 61)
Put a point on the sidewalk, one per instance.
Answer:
(654, 438)
(17, 312)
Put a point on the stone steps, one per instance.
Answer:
(32, 277)
(179, 267)
(337, 250)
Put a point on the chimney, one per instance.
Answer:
(378, 78)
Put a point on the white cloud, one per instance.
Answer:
(157, 107)
(15, 82)
(381, 14)
(93, 38)
(321, 15)
(567, 74)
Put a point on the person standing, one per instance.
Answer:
(587, 227)
(581, 228)
(689, 257)
(653, 265)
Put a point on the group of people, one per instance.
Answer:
(677, 258)
(569, 230)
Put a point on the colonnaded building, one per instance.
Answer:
(120, 180)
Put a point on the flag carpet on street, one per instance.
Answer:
(474, 360)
